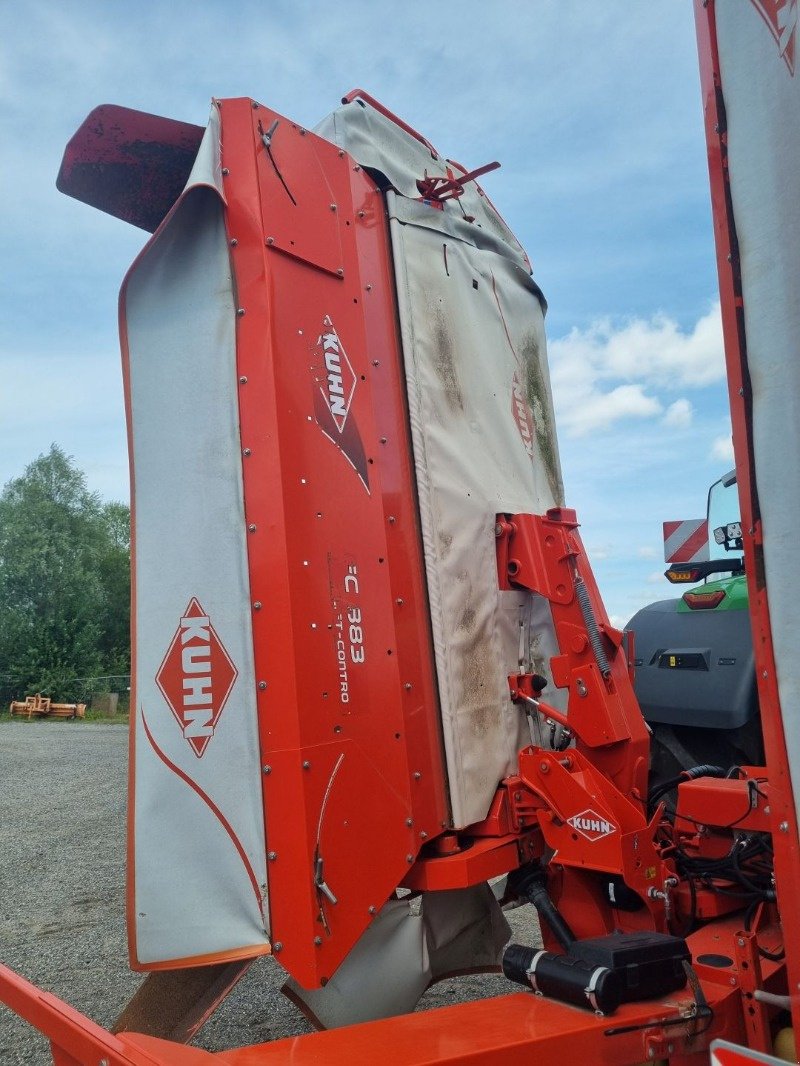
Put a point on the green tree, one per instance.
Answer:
(64, 585)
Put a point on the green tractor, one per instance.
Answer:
(695, 674)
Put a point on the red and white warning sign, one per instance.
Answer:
(686, 541)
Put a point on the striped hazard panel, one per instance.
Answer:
(686, 541)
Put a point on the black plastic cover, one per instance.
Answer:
(713, 682)
(649, 964)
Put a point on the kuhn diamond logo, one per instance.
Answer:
(781, 19)
(590, 825)
(196, 677)
(337, 380)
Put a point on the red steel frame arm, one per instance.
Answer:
(544, 554)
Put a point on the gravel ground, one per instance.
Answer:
(62, 891)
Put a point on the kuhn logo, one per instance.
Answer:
(339, 381)
(335, 385)
(590, 825)
(196, 677)
(781, 19)
(522, 414)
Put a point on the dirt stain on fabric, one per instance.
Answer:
(537, 395)
(445, 363)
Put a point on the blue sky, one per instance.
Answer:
(594, 111)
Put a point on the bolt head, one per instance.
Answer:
(225, 172)
(409, 821)
(332, 207)
(306, 765)
(242, 380)
(409, 858)
(270, 240)
(340, 273)
(423, 835)
(318, 940)
(262, 685)
(267, 769)
(246, 451)
(234, 242)
(252, 527)
(407, 686)
(784, 827)
(276, 947)
(257, 605)
(373, 910)
(740, 941)
(417, 775)
(272, 855)
(240, 311)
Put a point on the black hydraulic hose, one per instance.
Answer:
(536, 891)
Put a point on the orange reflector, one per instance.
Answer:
(681, 577)
(703, 601)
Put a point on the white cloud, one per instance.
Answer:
(634, 359)
(678, 415)
(722, 449)
(646, 552)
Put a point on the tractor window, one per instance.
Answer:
(723, 507)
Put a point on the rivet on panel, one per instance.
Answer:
(302, 132)
(240, 311)
(341, 153)
(267, 769)
(356, 168)
(306, 765)
(269, 240)
(373, 910)
(234, 242)
(255, 106)
(423, 835)
(340, 273)
(417, 775)
(376, 362)
(409, 822)
(272, 856)
(243, 380)
(368, 288)
(409, 858)
(332, 207)
(361, 214)
(407, 686)
(276, 947)
(318, 940)
(225, 172)
(252, 527)
(399, 601)
(257, 605)
(246, 451)
(262, 685)
(392, 519)
(383, 440)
